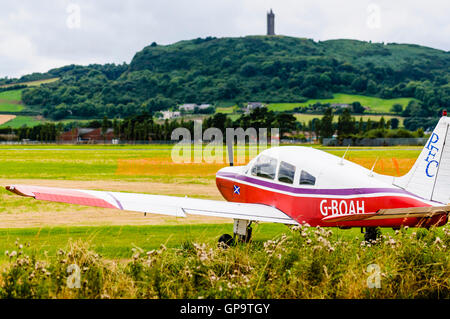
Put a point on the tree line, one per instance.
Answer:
(348, 126)
(143, 127)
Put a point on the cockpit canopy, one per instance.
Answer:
(269, 167)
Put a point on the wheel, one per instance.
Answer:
(226, 240)
(372, 234)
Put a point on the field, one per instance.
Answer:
(20, 121)
(112, 245)
(377, 105)
(224, 110)
(13, 95)
(33, 83)
(6, 118)
(10, 101)
(305, 118)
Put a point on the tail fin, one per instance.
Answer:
(429, 178)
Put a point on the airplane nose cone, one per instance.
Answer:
(231, 171)
(227, 169)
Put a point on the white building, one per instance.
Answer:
(167, 115)
(253, 105)
(188, 107)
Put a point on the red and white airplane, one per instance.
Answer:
(295, 185)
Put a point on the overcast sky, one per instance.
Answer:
(36, 36)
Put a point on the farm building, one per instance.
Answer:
(86, 135)
(170, 115)
(253, 105)
(192, 107)
(188, 107)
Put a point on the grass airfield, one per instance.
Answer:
(132, 168)
(121, 239)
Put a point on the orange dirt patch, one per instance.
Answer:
(387, 166)
(159, 167)
(6, 118)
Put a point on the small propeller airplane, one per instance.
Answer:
(293, 185)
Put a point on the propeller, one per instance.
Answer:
(230, 142)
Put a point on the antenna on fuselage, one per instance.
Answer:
(373, 167)
(343, 156)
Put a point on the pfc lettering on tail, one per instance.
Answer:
(432, 163)
(341, 207)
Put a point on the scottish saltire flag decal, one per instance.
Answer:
(237, 190)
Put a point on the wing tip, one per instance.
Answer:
(14, 189)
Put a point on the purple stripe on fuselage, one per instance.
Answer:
(311, 191)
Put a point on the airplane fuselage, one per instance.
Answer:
(360, 192)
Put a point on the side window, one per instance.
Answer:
(265, 167)
(286, 173)
(307, 179)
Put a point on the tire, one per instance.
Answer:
(226, 240)
(372, 234)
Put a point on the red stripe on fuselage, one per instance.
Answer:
(308, 208)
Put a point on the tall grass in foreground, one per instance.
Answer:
(303, 263)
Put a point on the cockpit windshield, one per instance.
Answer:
(265, 167)
(307, 179)
(286, 173)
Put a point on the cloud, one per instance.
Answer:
(36, 36)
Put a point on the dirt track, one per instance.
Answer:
(6, 118)
(30, 213)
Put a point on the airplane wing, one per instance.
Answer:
(155, 204)
(392, 213)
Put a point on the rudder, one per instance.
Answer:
(429, 178)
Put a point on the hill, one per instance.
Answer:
(271, 69)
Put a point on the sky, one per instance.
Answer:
(36, 36)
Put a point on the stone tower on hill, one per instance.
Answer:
(270, 23)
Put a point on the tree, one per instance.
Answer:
(326, 124)
(104, 127)
(397, 108)
(382, 123)
(394, 123)
(346, 124)
(357, 108)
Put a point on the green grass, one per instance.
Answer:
(224, 110)
(33, 83)
(377, 105)
(234, 117)
(9, 101)
(20, 121)
(83, 162)
(280, 107)
(100, 162)
(279, 263)
(225, 104)
(115, 242)
(8, 107)
(13, 95)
